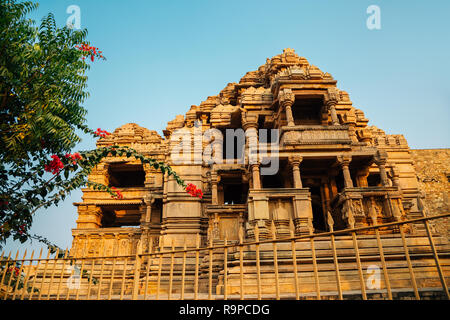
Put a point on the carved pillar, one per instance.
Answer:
(256, 176)
(380, 160)
(331, 99)
(383, 175)
(215, 228)
(295, 163)
(333, 113)
(395, 177)
(250, 125)
(345, 162)
(148, 211)
(214, 194)
(289, 116)
(286, 99)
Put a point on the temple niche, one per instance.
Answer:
(331, 163)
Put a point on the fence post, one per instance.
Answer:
(374, 216)
(137, 271)
(275, 260)
(18, 275)
(196, 266)
(351, 222)
(225, 269)
(314, 258)
(294, 259)
(149, 257)
(335, 258)
(25, 283)
(38, 261)
(258, 266)
(436, 259)
(183, 272)
(43, 276)
(241, 262)
(408, 260)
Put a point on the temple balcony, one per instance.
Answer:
(226, 221)
(334, 136)
(279, 205)
(105, 241)
(129, 194)
(367, 205)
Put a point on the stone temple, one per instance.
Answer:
(331, 164)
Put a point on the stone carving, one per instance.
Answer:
(252, 96)
(286, 97)
(221, 115)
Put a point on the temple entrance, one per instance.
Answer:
(319, 222)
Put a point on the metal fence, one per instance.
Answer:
(329, 265)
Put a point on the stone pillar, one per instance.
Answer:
(345, 162)
(148, 210)
(333, 113)
(250, 125)
(331, 99)
(214, 193)
(286, 99)
(395, 177)
(380, 160)
(381, 163)
(256, 176)
(289, 116)
(295, 163)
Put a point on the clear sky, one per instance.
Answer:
(164, 56)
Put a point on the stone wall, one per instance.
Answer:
(433, 175)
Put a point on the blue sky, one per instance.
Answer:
(164, 56)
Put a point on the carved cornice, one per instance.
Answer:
(249, 120)
(344, 160)
(380, 157)
(332, 97)
(286, 97)
(295, 160)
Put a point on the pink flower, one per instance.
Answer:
(55, 165)
(194, 191)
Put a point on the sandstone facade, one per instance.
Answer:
(330, 161)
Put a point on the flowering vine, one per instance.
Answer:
(194, 191)
(101, 133)
(55, 165)
(90, 51)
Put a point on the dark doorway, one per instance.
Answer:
(319, 222)
(273, 181)
(120, 216)
(126, 175)
(374, 180)
(307, 111)
(235, 193)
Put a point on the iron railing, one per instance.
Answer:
(338, 264)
